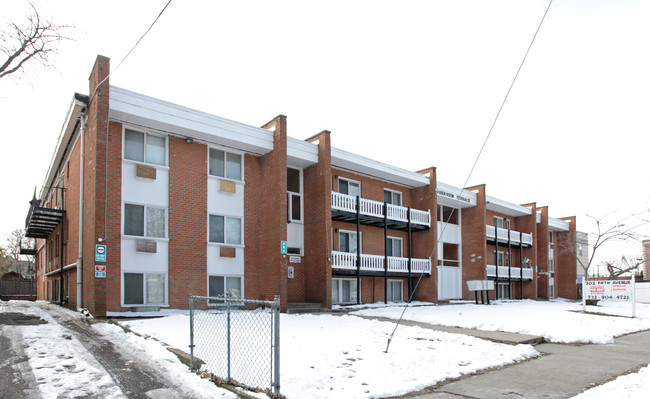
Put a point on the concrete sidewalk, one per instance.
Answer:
(562, 371)
(495, 336)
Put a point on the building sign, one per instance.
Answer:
(294, 259)
(100, 253)
(452, 196)
(100, 271)
(610, 290)
(283, 247)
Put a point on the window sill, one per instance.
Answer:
(221, 244)
(213, 177)
(151, 165)
(161, 239)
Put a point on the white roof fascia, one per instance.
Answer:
(454, 197)
(558, 224)
(148, 112)
(365, 166)
(508, 208)
(301, 153)
(67, 131)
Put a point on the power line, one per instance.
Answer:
(469, 175)
(130, 51)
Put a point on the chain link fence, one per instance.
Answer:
(237, 341)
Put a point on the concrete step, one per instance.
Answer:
(305, 307)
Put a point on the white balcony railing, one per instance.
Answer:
(515, 272)
(348, 203)
(375, 263)
(526, 238)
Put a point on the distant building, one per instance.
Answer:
(646, 255)
(582, 253)
(147, 201)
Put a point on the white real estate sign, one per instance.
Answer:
(609, 290)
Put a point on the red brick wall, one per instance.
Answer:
(94, 290)
(188, 221)
(424, 242)
(317, 266)
(474, 249)
(541, 244)
(265, 210)
(565, 262)
(528, 224)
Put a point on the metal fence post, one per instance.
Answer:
(228, 336)
(276, 347)
(191, 333)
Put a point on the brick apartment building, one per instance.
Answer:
(180, 201)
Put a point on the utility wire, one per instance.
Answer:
(469, 175)
(130, 51)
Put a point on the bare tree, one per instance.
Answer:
(605, 232)
(35, 40)
(4, 262)
(626, 264)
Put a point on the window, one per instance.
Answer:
(144, 147)
(294, 195)
(504, 290)
(500, 259)
(580, 249)
(225, 164)
(144, 289)
(392, 197)
(224, 286)
(348, 242)
(498, 222)
(344, 290)
(349, 187)
(550, 238)
(394, 246)
(225, 230)
(447, 214)
(144, 221)
(394, 293)
(551, 265)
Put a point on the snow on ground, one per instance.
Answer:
(63, 368)
(159, 358)
(59, 362)
(569, 324)
(631, 386)
(344, 356)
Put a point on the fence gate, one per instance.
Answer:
(237, 340)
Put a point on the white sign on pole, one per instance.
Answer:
(610, 290)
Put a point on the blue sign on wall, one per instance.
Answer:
(283, 247)
(100, 253)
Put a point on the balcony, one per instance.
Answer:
(344, 207)
(515, 272)
(516, 238)
(375, 263)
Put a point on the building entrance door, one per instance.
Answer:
(450, 282)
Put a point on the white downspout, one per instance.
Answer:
(81, 215)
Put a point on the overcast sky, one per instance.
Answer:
(410, 83)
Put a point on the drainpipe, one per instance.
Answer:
(81, 213)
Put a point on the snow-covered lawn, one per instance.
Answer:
(630, 386)
(557, 321)
(344, 356)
